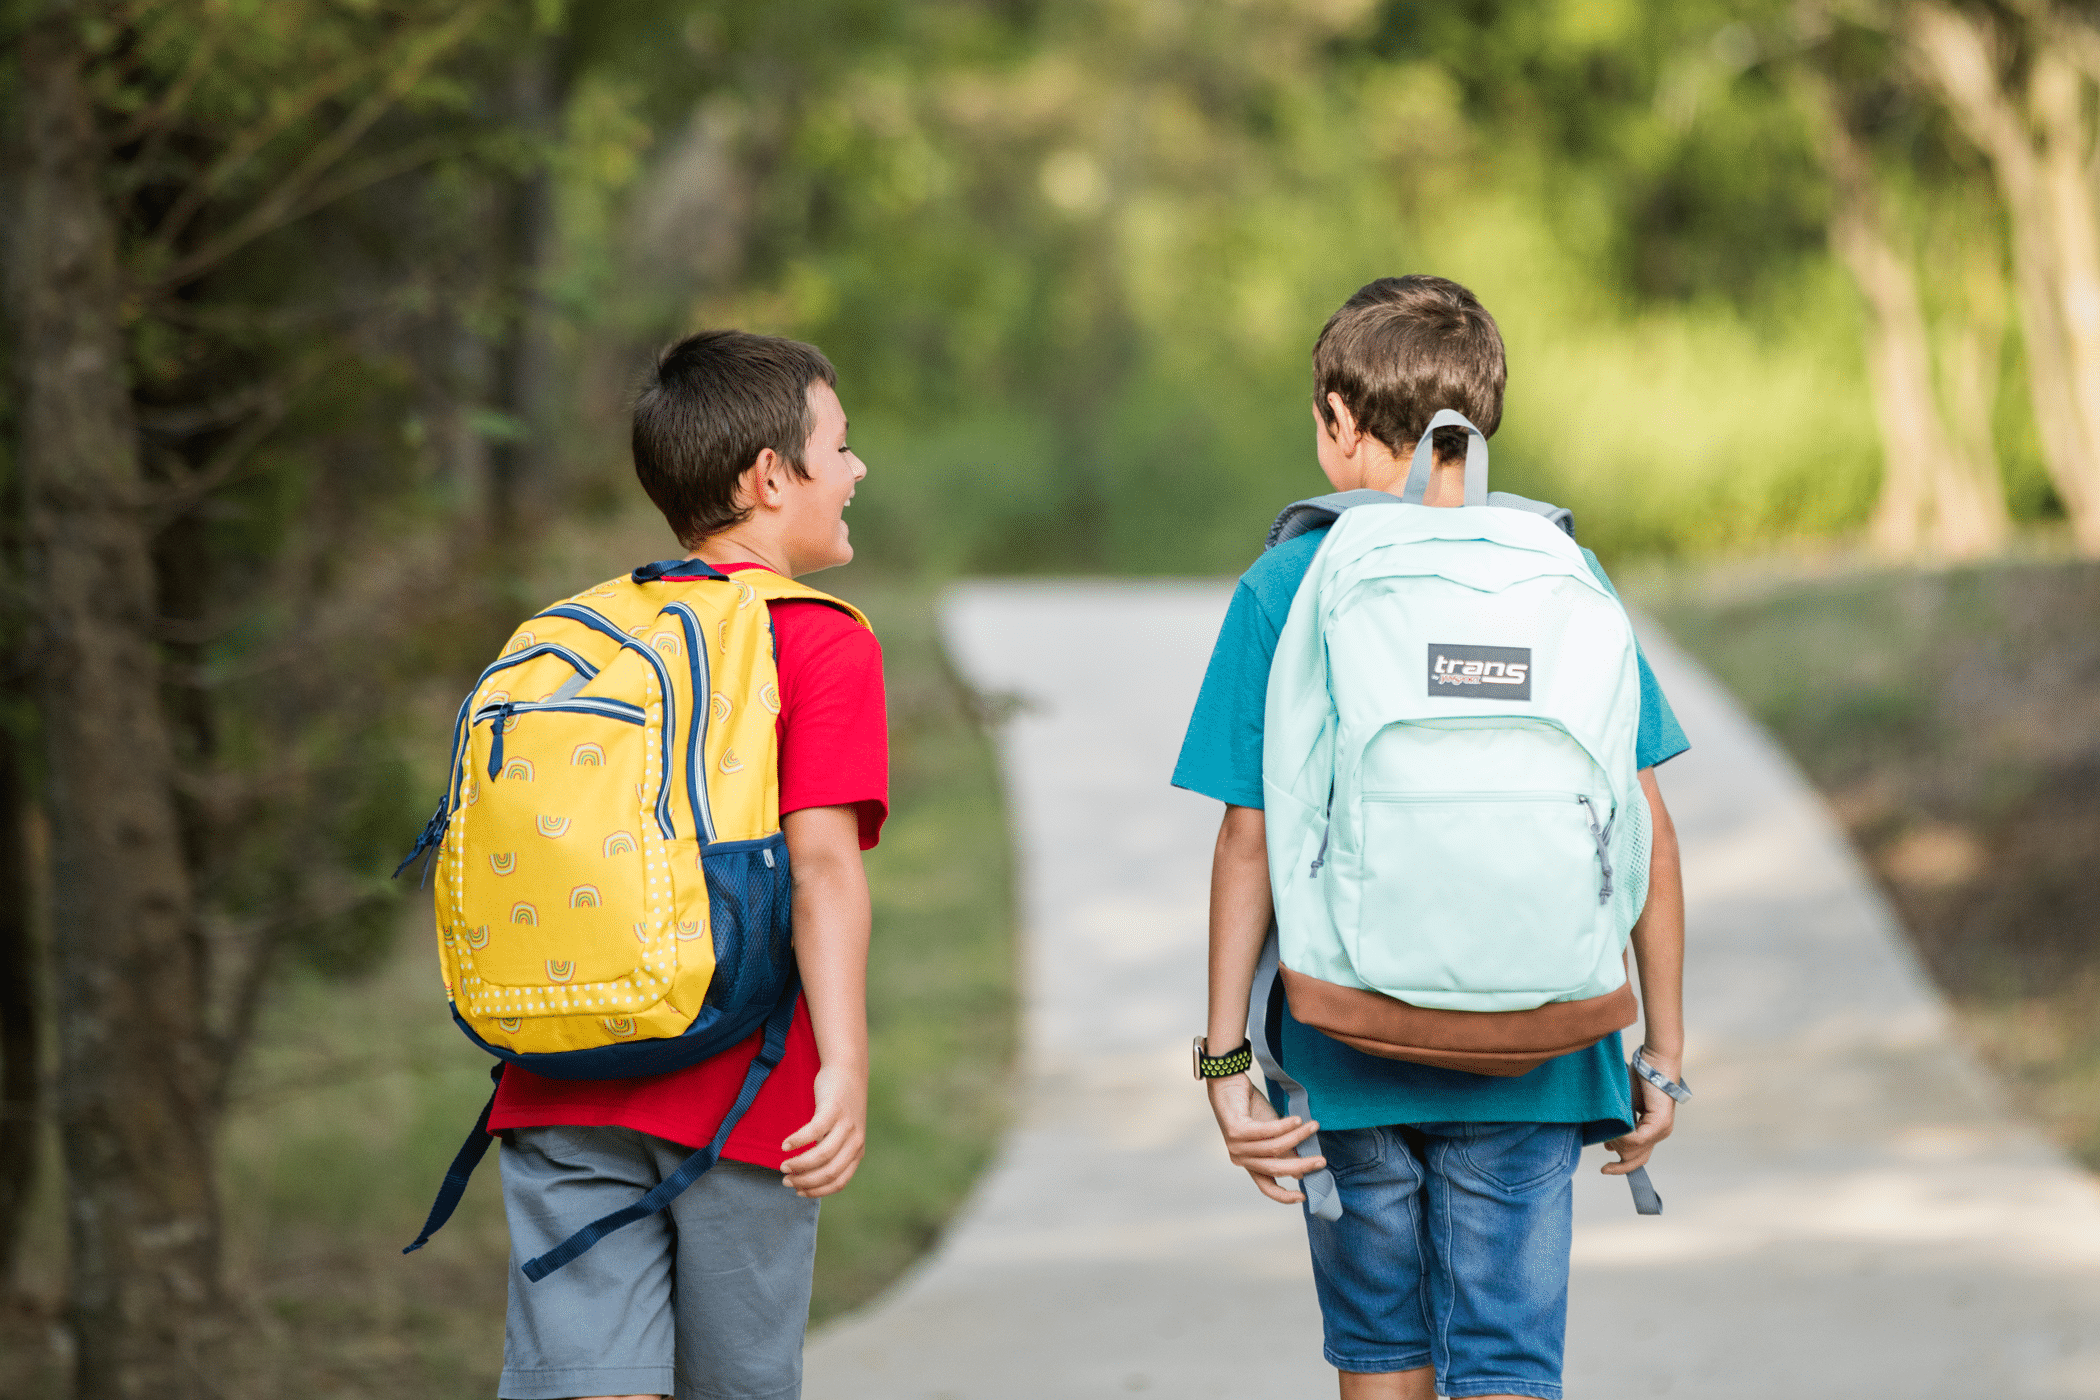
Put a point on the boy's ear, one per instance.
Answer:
(1339, 423)
(759, 485)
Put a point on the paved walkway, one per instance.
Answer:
(1851, 1215)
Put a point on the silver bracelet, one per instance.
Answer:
(1675, 1088)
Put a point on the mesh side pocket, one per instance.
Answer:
(749, 909)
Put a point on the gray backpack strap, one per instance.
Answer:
(1321, 1197)
(1559, 515)
(1321, 511)
(1425, 459)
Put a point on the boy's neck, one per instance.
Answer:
(738, 545)
(1386, 470)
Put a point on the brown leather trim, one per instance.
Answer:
(1500, 1043)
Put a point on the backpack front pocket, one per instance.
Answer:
(562, 909)
(1470, 893)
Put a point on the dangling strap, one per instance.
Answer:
(693, 1167)
(469, 1157)
(1645, 1201)
(1321, 1197)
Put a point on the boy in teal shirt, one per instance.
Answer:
(1447, 1270)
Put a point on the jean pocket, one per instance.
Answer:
(1351, 1150)
(1519, 1156)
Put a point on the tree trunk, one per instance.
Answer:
(1972, 520)
(1959, 59)
(526, 364)
(145, 1305)
(21, 1019)
(1922, 483)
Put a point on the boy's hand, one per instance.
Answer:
(1654, 1115)
(1259, 1140)
(838, 1133)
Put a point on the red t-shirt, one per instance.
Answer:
(834, 752)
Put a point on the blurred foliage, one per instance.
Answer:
(1071, 258)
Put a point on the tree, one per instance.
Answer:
(214, 550)
(2018, 79)
(1941, 493)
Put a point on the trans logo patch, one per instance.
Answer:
(1479, 673)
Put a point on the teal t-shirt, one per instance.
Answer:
(1221, 758)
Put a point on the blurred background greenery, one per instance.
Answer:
(321, 320)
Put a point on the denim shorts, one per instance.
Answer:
(1452, 1252)
(705, 1301)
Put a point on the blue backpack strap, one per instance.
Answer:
(1318, 512)
(693, 1167)
(463, 1163)
(677, 570)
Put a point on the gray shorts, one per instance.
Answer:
(706, 1300)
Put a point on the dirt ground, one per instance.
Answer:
(1952, 718)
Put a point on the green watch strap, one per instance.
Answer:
(1210, 1066)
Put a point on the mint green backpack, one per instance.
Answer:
(1458, 840)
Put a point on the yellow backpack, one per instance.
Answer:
(613, 893)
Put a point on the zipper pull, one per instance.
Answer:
(1602, 836)
(496, 741)
(1321, 859)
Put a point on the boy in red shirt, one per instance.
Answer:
(741, 442)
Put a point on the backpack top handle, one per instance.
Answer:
(1425, 459)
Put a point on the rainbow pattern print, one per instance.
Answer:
(518, 768)
(587, 756)
(552, 827)
(584, 897)
(523, 913)
(503, 862)
(560, 971)
(620, 843)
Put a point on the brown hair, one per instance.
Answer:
(715, 401)
(1403, 348)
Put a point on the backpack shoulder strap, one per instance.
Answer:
(775, 589)
(1559, 515)
(763, 583)
(1318, 512)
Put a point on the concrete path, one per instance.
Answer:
(1851, 1214)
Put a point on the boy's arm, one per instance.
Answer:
(1658, 952)
(1240, 910)
(831, 950)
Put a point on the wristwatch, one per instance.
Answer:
(1675, 1088)
(1210, 1066)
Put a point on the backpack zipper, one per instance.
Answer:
(1602, 835)
(602, 707)
(598, 622)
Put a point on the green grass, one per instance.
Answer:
(1952, 718)
(358, 1092)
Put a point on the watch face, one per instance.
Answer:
(1196, 1057)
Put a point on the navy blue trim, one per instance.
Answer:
(577, 613)
(703, 714)
(620, 710)
(462, 1169)
(677, 569)
(712, 1031)
(692, 1168)
(723, 848)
